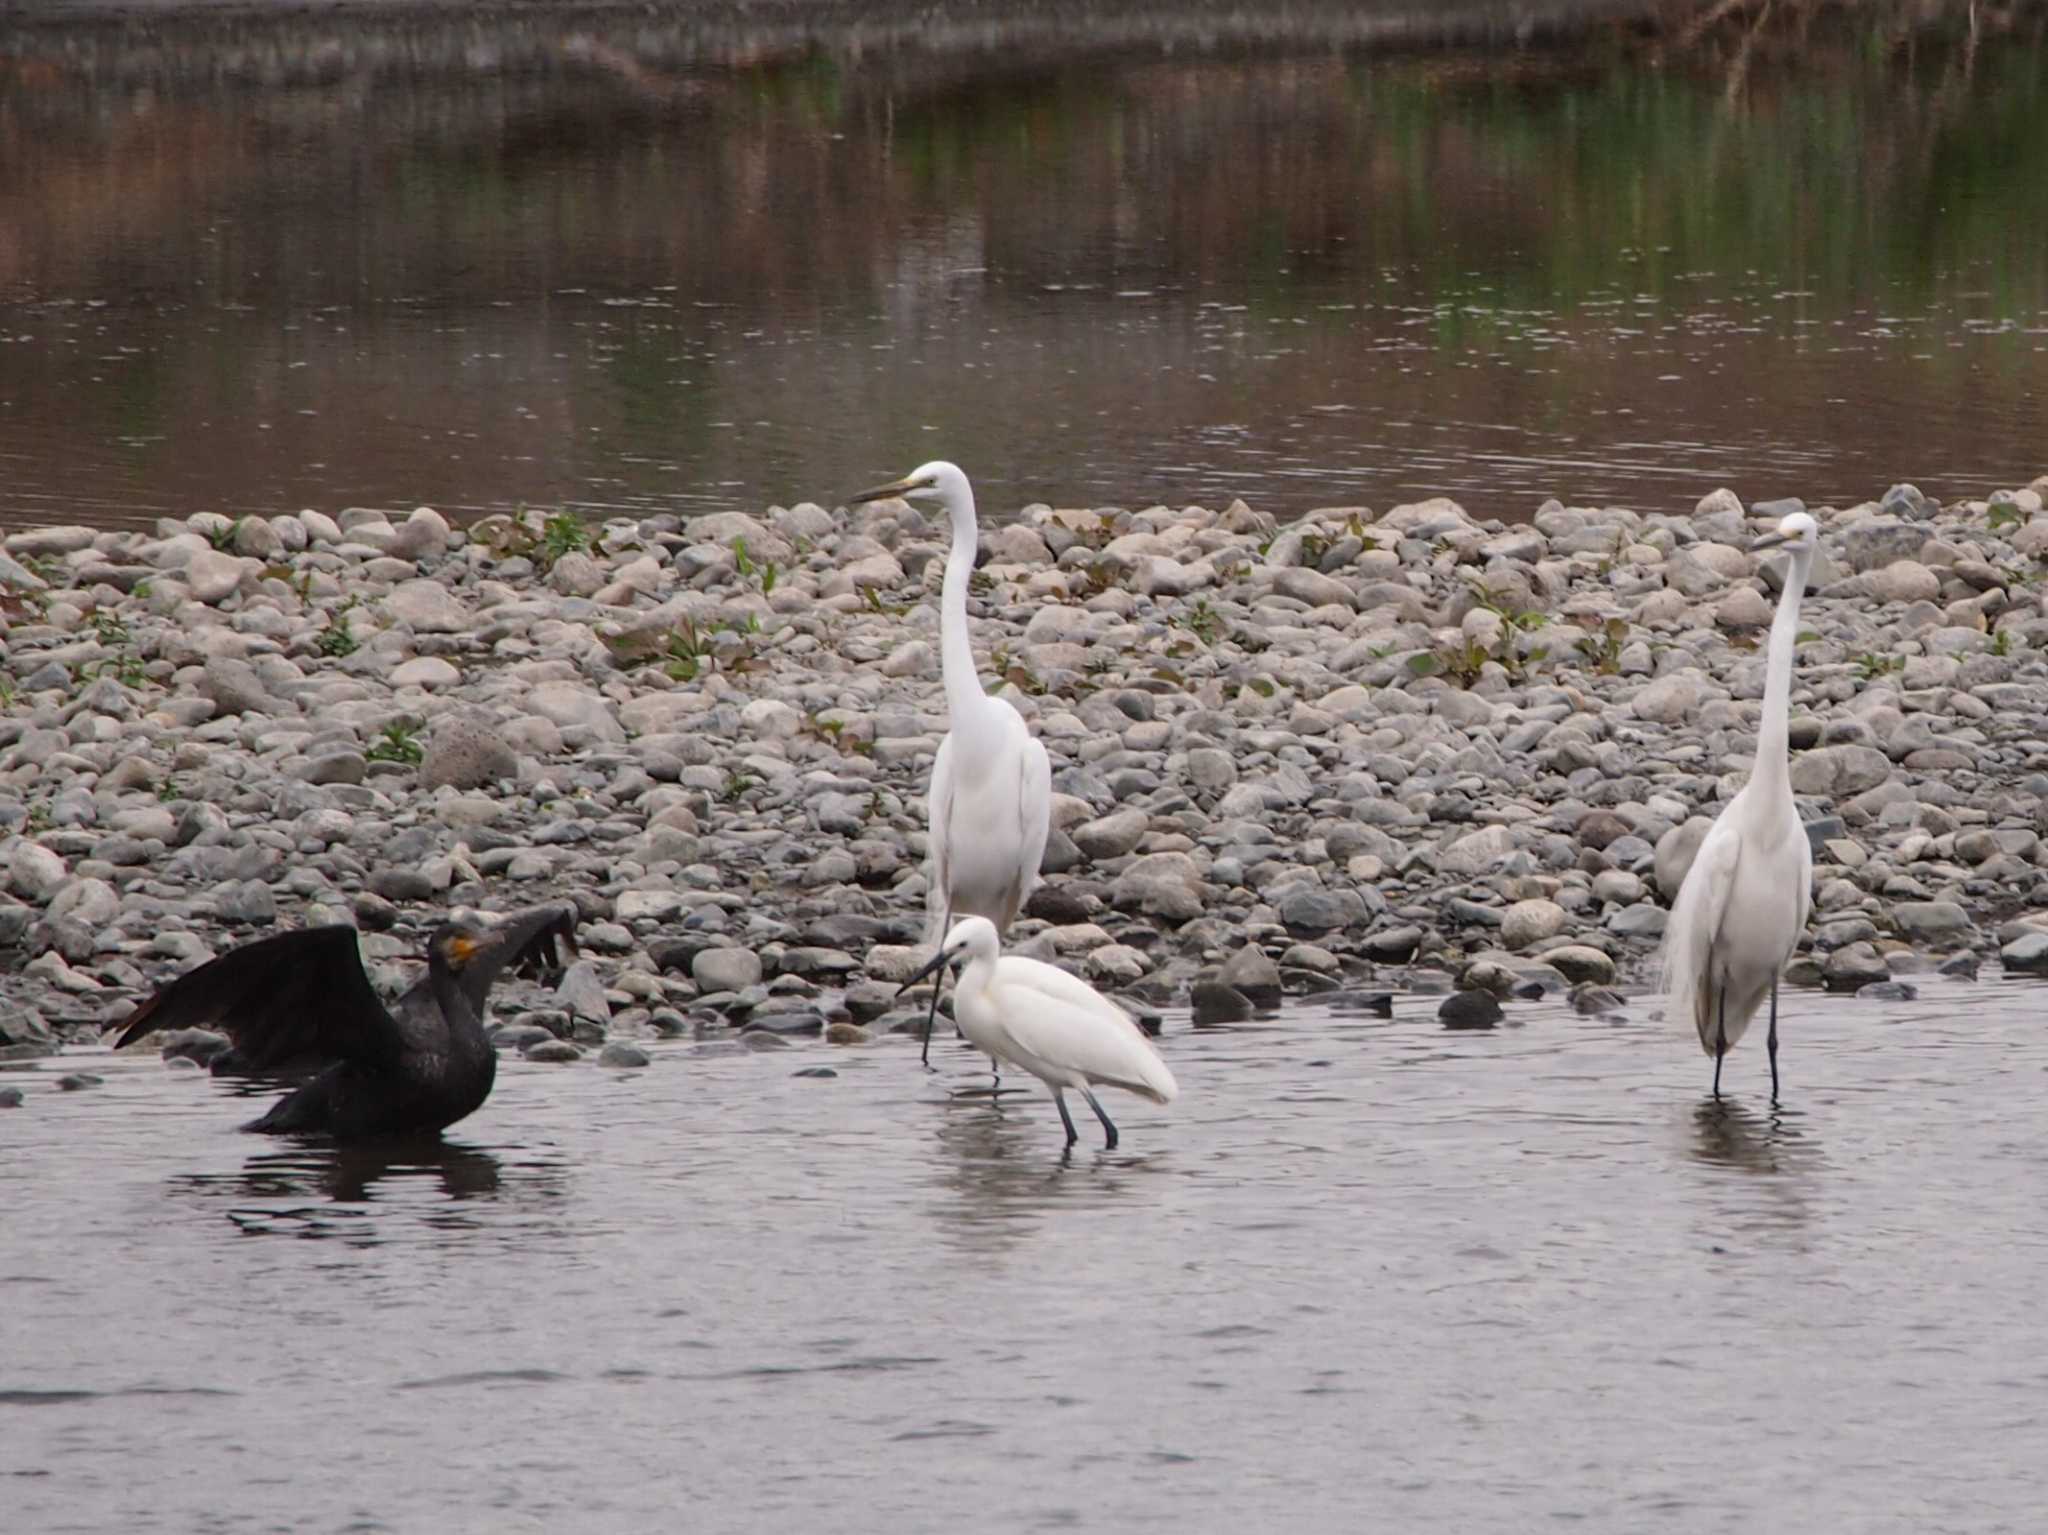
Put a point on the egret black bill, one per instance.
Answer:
(893, 488)
(938, 960)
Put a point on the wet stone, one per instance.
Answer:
(623, 1056)
(1215, 1002)
(1470, 1010)
(552, 1051)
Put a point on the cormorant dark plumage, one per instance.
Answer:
(300, 1003)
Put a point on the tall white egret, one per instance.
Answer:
(1039, 1018)
(1745, 899)
(990, 809)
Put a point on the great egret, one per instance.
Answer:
(1745, 899)
(990, 808)
(1059, 1029)
(301, 1001)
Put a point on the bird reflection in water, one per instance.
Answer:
(424, 1174)
(1778, 1159)
(997, 1179)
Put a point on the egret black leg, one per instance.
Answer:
(924, 1057)
(1108, 1129)
(1066, 1119)
(1720, 1038)
(1771, 1039)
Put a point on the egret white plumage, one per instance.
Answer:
(1043, 1020)
(1745, 899)
(990, 808)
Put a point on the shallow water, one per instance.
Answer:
(1091, 278)
(1363, 1271)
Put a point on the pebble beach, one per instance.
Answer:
(1368, 752)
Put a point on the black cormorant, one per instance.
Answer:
(300, 1003)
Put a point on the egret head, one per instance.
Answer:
(935, 481)
(972, 938)
(1798, 533)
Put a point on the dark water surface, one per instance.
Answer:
(1365, 1274)
(1116, 276)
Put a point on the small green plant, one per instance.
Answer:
(1872, 665)
(736, 784)
(1200, 620)
(139, 591)
(169, 791)
(109, 628)
(1313, 547)
(9, 692)
(222, 534)
(981, 583)
(761, 572)
(38, 818)
(1522, 620)
(2001, 642)
(561, 534)
(1015, 673)
(399, 742)
(875, 604)
(1602, 644)
(2003, 514)
(337, 639)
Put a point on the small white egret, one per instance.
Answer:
(990, 808)
(1039, 1018)
(1745, 899)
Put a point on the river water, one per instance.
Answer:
(1117, 274)
(1364, 1274)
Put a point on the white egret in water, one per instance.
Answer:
(1744, 902)
(1039, 1018)
(991, 795)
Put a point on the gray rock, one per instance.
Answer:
(1476, 853)
(1888, 991)
(1394, 945)
(1306, 909)
(425, 606)
(1528, 922)
(245, 901)
(463, 752)
(726, 969)
(1675, 852)
(552, 1052)
(10, 1097)
(235, 688)
(1161, 885)
(1214, 1003)
(623, 1056)
(1581, 964)
(1904, 581)
(1931, 919)
(580, 993)
(1877, 542)
(1854, 966)
(214, 576)
(1111, 836)
(1839, 771)
(1250, 971)
(2028, 953)
(1470, 1010)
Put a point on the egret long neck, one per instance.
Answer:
(1773, 769)
(964, 696)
